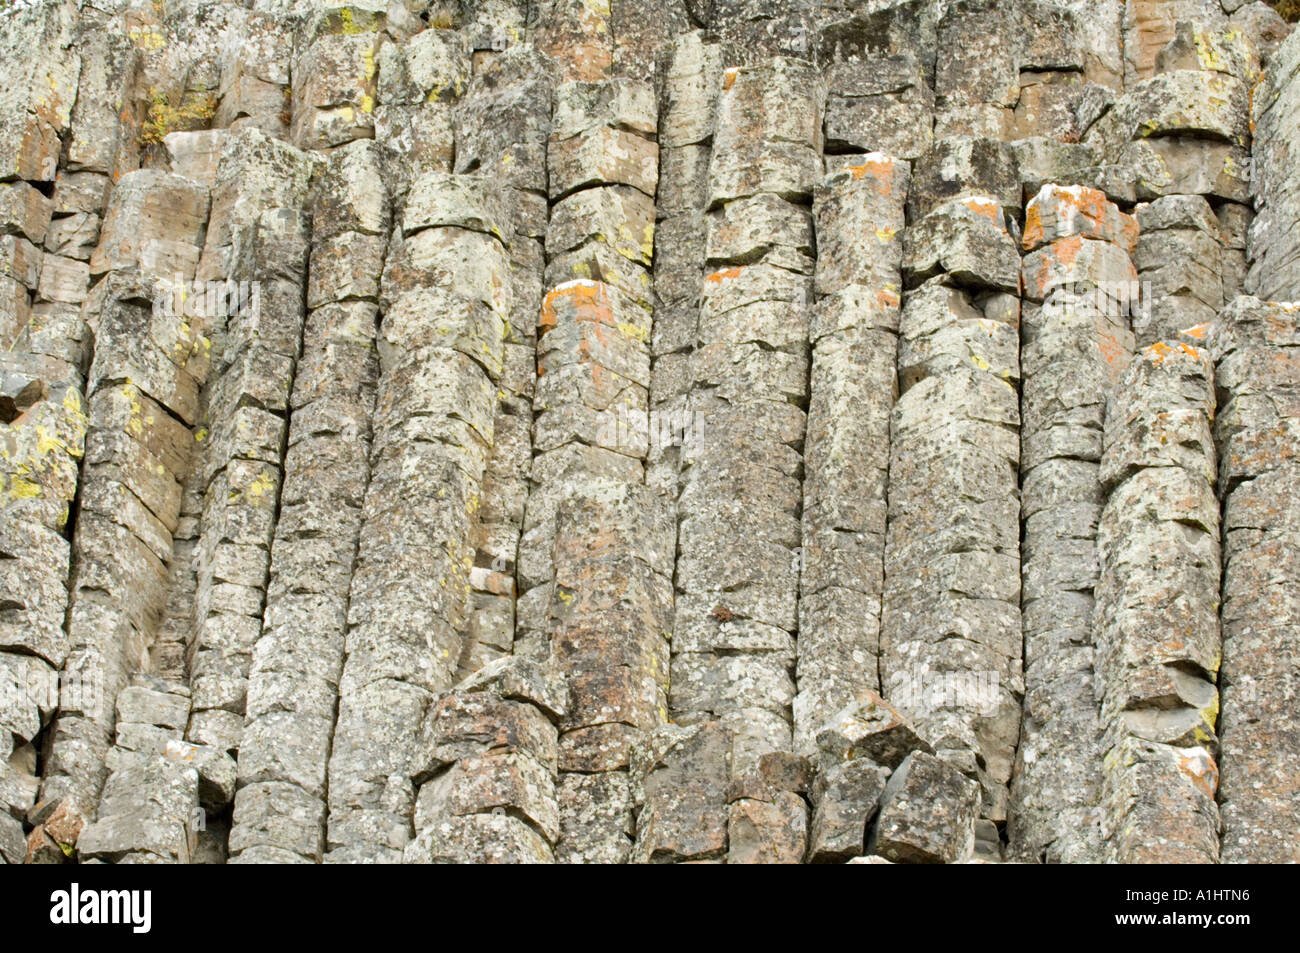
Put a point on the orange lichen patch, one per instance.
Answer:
(888, 299)
(729, 78)
(986, 207)
(1160, 352)
(1111, 349)
(590, 299)
(1033, 227)
(879, 168)
(723, 274)
(1199, 331)
(1056, 257)
(1066, 251)
(1201, 769)
(1157, 353)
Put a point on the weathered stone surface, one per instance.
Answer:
(845, 800)
(1252, 346)
(927, 814)
(1158, 646)
(642, 431)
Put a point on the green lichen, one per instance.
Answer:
(195, 111)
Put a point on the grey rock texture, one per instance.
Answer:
(648, 431)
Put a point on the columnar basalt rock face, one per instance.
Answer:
(1158, 649)
(1274, 246)
(738, 523)
(293, 675)
(648, 431)
(1255, 431)
(1075, 344)
(950, 646)
(854, 334)
(446, 294)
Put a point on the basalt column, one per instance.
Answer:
(257, 264)
(143, 397)
(447, 293)
(1274, 243)
(591, 393)
(1255, 346)
(950, 643)
(690, 73)
(502, 128)
(854, 333)
(738, 512)
(298, 656)
(1076, 342)
(1156, 623)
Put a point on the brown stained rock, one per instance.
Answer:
(927, 813)
(845, 798)
(577, 34)
(767, 833)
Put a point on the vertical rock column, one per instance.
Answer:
(1179, 259)
(950, 641)
(1076, 342)
(257, 289)
(1274, 244)
(1256, 429)
(1181, 139)
(42, 437)
(858, 282)
(689, 79)
(254, 88)
(609, 555)
(1149, 25)
(593, 375)
(447, 289)
(1156, 622)
(880, 79)
(486, 768)
(42, 419)
(293, 680)
(143, 397)
(611, 615)
(149, 759)
(335, 73)
(502, 129)
(738, 511)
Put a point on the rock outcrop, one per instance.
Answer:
(649, 431)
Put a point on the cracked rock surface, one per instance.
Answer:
(649, 431)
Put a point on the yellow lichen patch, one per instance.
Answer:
(195, 111)
(885, 235)
(262, 484)
(634, 331)
(20, 489)
(148, 38)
